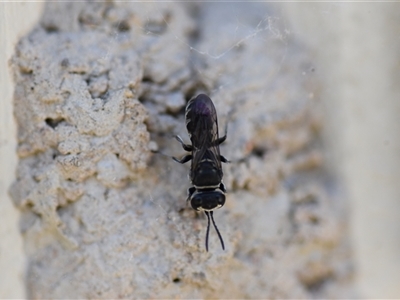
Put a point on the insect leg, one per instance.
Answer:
(191, 190)
(185, 159)
(222, 187)
(224, 159)
(223, 138)
(186, 147)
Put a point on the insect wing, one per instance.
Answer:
(210, 153)
(202, 126)
(201, 121)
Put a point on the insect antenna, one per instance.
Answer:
(208, 214)
(216, 229)
(208, 228)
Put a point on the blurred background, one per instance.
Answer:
(354, 48)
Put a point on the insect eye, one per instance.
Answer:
(221, 200)
(207, 200)
(196, 202)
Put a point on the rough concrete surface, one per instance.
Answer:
(100, 85)
(16, 20)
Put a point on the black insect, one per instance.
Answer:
(208, 191)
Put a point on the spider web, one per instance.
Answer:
(265, 25)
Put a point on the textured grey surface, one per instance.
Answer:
(100, 84)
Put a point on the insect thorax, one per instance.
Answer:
(206, 175)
